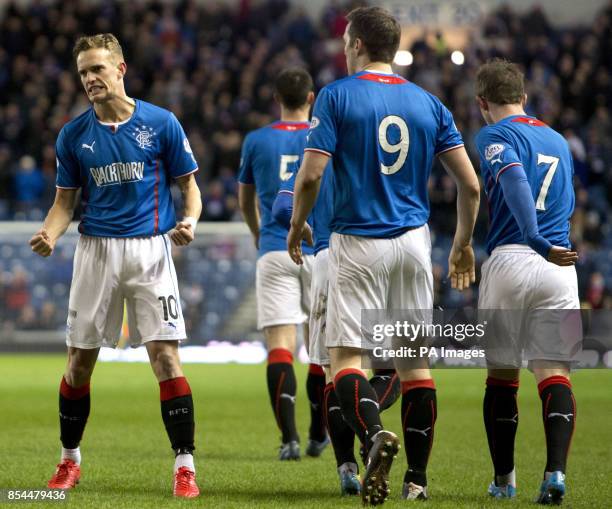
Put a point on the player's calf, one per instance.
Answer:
(74, 407)
(419, 412)
(315, 387)
(387, 385)
(282, 388)
(500, 413)
(178, 417)
(559, 416)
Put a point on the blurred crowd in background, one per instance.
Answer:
(213, 66)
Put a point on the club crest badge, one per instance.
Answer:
(144, 136)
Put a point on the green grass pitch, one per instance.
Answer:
(127, 461)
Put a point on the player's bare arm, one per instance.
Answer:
(306, 190)
(56, 223)
(184, 231)
(461, 260)
(247, 200)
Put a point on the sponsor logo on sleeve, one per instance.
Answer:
(492, 150)
(314, 123)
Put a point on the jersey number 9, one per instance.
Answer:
(401, 146)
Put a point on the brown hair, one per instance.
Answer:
(378, 30)
(106, 41)
(293, 86)
(500, 82)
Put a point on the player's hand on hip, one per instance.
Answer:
(294, 241)
(41, 243)
(182, 234)
(562, 256)
(461, 267)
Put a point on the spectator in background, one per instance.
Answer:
(28, 184)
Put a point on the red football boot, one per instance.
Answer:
(185, 484)
(66, 475)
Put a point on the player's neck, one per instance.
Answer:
(499, 112)
(117, 110)
(376, 67)
(299, 115)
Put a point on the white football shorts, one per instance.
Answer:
(372, 273)
(520, 290)
(282, 289)
(318, 352)
(110, 271)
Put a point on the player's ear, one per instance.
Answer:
(310, 98)
(122, 68)
(524, 100)
(482, 103)
(276, 98)
(359, 46)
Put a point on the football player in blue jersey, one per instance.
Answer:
(527, 171)
(122, 153)
(270, 156)
(382, 133)
(385, 382)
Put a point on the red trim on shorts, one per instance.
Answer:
(280, 356)
(315, 369)
(551, 380)
(499, 382)
(383, 78)
(70, 392)
(427, 383)
(156, 194)
(345, 372)
(174, 388)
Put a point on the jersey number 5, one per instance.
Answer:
(401, 146)
(554, 162)
(286, 160)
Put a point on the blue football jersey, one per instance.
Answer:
(521, 140)
(321, 215)
(271, 155)
(124, 173)
(383, 133)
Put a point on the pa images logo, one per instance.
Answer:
(144, 136)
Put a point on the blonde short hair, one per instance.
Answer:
(106, 41)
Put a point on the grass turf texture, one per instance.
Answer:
(127, 461)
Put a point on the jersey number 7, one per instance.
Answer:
(554, 162)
